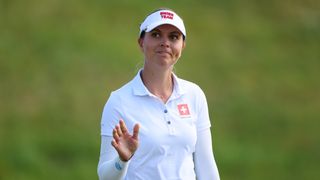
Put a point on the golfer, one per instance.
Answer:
(157, 126)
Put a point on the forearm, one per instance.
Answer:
(205, 165)
(114, 169)
(110, 166)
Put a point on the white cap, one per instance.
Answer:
(162, 17)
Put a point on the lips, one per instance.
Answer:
(164, 53)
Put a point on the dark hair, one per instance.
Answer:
(143, 33)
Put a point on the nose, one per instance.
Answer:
(164, 42)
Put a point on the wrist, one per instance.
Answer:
(125, 159)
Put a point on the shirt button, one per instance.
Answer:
(165, 111)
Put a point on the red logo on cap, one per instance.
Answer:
(166, 15)
(183, 109)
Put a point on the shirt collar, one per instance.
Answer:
(139, 89)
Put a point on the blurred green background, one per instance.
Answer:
(257, 61)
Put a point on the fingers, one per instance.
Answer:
(114, 144)
(121, 130)
(118, 129)
(136, 131)
(115, 134)
(123, 127)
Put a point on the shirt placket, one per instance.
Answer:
(168, 120)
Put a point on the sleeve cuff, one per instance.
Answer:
(121, 165)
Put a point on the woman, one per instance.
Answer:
(158, 124)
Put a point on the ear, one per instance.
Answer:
(183, 44)
(140, 42)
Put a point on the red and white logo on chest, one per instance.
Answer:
(183, 110)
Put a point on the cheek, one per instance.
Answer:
(178, 50)
(147, 46)
(144, 48)
(147, 50)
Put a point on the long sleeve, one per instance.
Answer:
(110, 166)
(205, 165)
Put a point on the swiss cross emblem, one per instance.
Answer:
(183, 110)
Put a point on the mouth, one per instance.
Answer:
(164, 53)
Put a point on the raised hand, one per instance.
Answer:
(125, 143)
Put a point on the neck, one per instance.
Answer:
(159, 83)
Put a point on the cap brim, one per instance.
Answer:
(154, 25)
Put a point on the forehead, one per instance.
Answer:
(167, 28)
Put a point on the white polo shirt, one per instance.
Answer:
(168, 131)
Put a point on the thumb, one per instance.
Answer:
(136, 131)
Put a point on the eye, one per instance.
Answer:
(174, 37)
(155, 34)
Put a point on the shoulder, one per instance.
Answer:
(189, 87)
(123, 91)
(193, 93)
(128, 88)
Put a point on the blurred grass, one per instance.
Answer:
(258, 63)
